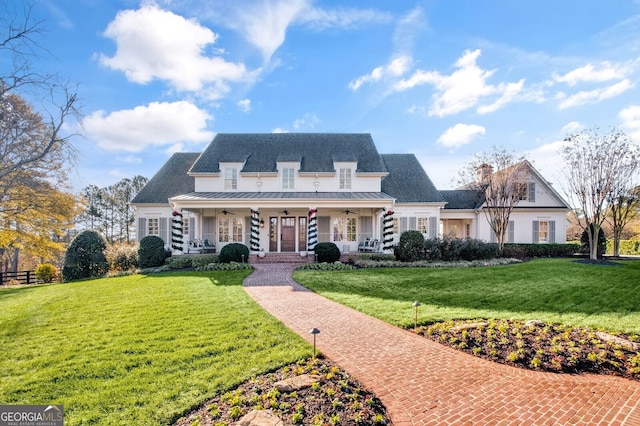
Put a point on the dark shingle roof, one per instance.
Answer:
(463, 199)
(171, 180)
(316, 151)
(407, 181)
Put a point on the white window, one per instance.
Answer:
(185, 228)
(345, 229)
(153, 227)
(230, 230)
(288, 178)
(231, 178)
(345, 178)
(423, 225)
(543, 231)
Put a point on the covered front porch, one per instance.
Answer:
(281, 222)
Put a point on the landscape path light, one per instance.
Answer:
(415, 305)
(315, 332)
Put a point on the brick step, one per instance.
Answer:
(281, 258)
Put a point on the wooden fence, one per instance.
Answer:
(24, 277)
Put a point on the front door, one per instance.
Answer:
(288, 234)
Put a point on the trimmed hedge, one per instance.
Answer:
(327, 252)
(234, 252)
(151, 252)
(627, 247)
(85, 257)
(411, 247)
(527, 251)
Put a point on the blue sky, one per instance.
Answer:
(441, 79)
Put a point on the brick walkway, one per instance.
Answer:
(424, 383)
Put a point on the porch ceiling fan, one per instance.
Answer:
(286, 212)
(226, 212)
(347, 211)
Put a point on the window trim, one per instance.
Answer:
(230, 178)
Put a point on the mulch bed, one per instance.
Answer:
(335, 398)
(540, 346)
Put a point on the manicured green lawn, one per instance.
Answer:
(556, 290)
(136, 350)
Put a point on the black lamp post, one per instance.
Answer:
(415, 305)
(315, 332)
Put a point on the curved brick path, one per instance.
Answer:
(424, 383)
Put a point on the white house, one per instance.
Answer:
(284, 192)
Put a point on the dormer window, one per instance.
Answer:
(288, 176)
(230, 178)
(345, 178)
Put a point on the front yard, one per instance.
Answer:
(137, 350)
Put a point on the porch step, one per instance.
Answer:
(281, 258)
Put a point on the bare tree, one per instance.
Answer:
(500, 179)
(624, 203)
(596, 165)
(28, 138)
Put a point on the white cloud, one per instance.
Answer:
(264, 24)
(571, 127)
(460, 134)
(401, 60)
(156, 44)
(129, 159)
(279, 130)
(395, 68)
(464, 88)
(244, 105)
(308, 121)
(157, 124)
(605, 71)
(592, 96)
(630, 121)
(341, 17)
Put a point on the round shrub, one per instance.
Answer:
(234, 252)
(151, 252)
(327, 252)
(85, 257)
(410, 247)
(46, 272)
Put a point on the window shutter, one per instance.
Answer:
(536, 232)
(163, 229)
(192, 228)
(142, 228)
(403, 224)
(433, 227)
(412, 224)
(532, 192)
(324, 229)
(511, 232)
(493, 238)
(246, 234)
(552, 231)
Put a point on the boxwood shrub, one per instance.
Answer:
(151, 252)
(327, 252)
(234, 252)
(528, 251)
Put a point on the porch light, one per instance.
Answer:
(315, 332)
(415, 305)
(261, 223)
